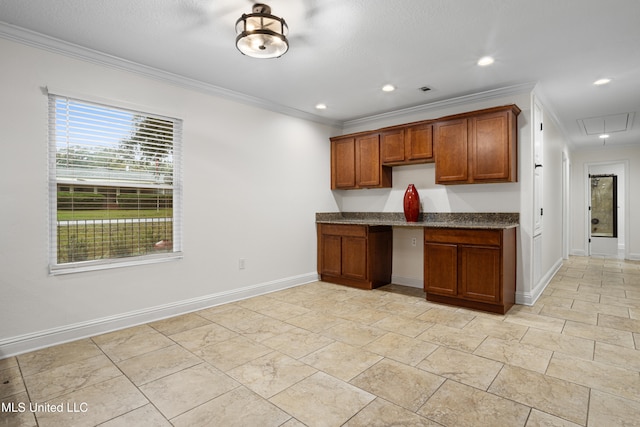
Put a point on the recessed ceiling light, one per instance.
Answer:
(601, 82)
(388, 88)
(485, 60)
(321, 106)
(604, 136)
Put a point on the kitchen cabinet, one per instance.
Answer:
(355, 255)
(407, 145)
(474, 268)
(356, 163)
(477, 147)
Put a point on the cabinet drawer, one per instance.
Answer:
(344, 230)
(463, 236)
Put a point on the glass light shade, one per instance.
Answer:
(262, 35)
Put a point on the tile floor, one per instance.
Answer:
(328, 355)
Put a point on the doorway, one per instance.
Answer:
(603, 218)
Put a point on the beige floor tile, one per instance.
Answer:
(403, 308)
(608, 410)
(53, 357)
(620, 356)
(17, 413)
(463, 367)
(597, 375)
(623, 302)
(9, 362)
(259, 329)
(381, 413)
(231, 353)
(590, 307)
(569, 314)
(146, 415)
(232, 316)
(353, 333)
(453, 319)
(157, 364)
(401, 348)
(542, 419)
(315, 321)
(496, 328)
(615, 322)
(576, 295)
(64, 379)
(553, 341)
(11, 382)
(360, 314)
(128, 343)
(515, 354)
(636, 339)
(459, 405)
(342, 360)
(322, 400)
(557, 397)
(599, 333)
(270, 374)
(554, 301)
(453, 337)
(398, 383)
(535, 321)
(102, 402)
(238, 408)
(280, 310)
(180, 392)
(173, 325)
(202, 336)
(297, 342)
(403, 325)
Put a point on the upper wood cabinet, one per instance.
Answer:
(356, 163)
(407, 145)
(470, 148)
(477, 147)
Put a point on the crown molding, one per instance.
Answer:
(437, 105)
(54, 45)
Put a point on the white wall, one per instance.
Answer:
(605, 155)
(253, 181)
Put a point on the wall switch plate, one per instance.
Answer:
(414, 241)
(241, 262)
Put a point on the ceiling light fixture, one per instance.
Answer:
(261, 34)
(321, 106)
(485, 60)
(604, 136)
(601, 82)
(388, 88)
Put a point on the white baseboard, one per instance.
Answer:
(408, 281)
(46, 338)
(530, 298)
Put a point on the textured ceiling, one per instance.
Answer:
(343, 51)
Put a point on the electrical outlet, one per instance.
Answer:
(241, 263)
(414, 242)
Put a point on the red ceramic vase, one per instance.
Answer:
(411, 204)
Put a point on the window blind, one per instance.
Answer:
(115, 186)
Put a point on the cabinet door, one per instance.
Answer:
(451, 151)
(441, 268)
(491, 146)
(368, 161)
(354, 257)
(392, 146)
(331, 256)
(343, 163)
(419, 142)
(480, 273)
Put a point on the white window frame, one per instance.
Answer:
(176, 253)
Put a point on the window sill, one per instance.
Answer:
(84, 266)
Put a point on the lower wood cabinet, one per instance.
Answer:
(474, 268)
(355, 255)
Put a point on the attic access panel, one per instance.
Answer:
(606, 124)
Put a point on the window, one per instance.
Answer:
(115, 186)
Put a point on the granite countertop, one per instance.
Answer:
(430, 219)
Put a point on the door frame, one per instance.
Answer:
(587, 202)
